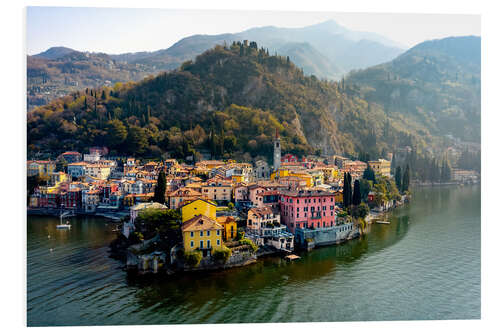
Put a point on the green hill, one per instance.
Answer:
(436, 84)
(229, 102)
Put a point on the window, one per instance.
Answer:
(192, 244)
(201, 244)
(218, 242)
(297, 215)
(208, 233)
(218, 232)
(201, 233)
(208, 243)
(192, 235)
(297, 200)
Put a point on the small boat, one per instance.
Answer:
(64, 226)
(382, 222)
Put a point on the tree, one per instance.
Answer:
(397, 178)
(445, 171)
(356, 197)
(369, 174)
(116, 133)
(361, 211)
(406, 179)
(347, 193)
(137, 140)
(161, 187)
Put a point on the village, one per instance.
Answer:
(228, 213)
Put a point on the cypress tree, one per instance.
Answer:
(356, 197)
(161, 187)
(397, 178)
(406, 179)
(349, 189)
(344, 191)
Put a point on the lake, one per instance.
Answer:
(424, 265)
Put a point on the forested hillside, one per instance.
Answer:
(229, 102)
(436, 83)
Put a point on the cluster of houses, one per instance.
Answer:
(293, 200)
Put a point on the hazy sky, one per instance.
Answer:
(122, 30)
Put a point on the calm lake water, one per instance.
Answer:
(424, 265)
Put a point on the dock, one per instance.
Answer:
(292, 257)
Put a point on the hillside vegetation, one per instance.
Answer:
(229, 101)
(436, 84)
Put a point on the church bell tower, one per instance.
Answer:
(277, 151)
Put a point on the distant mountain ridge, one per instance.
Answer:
(232, 98)
(437, 83)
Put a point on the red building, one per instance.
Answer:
(307, 209)
(71, 199)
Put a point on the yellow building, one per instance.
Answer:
(58, 177)
(229, 225)
(381, 166)
(40, 168)
(304, 175)
(202, 233)
(198, 207)
(339, 197)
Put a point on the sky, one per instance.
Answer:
(120, 30)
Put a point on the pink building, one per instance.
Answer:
(307, 209)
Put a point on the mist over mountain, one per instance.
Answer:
(436, 83)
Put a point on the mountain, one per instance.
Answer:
(342, 48)
(54, 52)
(326, 50)
(229, 101)
(436, 83)
(60, 71)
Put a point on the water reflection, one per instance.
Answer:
(424, 265)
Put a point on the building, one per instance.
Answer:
(258, 218)
(98, 171)
(261, 170)
(90, 200)
(219, 191)
(198, 207)
(277, 151)
(464, 176)
(77, 169)
(381, 166)
(72, 156)
(58, 177)
(264, 228)
(230, 227)
(306, 209)
(40, 168)
(202, 233)
(91, 158)
(178, 196)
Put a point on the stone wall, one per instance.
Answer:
(236, 260)
(326, 236)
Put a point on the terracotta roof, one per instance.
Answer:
(225, 219)
(199, 223)
(261, 211)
